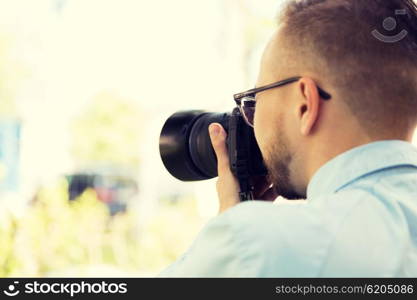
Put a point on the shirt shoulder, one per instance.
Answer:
(258, 239)
(296, 239)
(286, 239)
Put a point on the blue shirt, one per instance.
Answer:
(359, 220)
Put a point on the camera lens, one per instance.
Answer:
(185, 144)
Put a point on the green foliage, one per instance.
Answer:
(108, 131)
(58, 237)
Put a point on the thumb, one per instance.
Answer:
(218, 139)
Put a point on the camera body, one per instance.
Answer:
(244, 153)
(188, 155)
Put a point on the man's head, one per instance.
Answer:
(338, 45)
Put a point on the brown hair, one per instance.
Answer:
(344, 41)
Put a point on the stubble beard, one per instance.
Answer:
(277, 160)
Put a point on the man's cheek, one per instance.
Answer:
(261, 136)
(258, 130)
(263, 124)
(260, 120)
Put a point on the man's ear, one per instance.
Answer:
(308, 109)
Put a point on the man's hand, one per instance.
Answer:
(227, 184)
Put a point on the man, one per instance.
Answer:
(338, 134)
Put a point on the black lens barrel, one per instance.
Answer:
(185, 145)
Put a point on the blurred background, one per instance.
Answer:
(85, 87)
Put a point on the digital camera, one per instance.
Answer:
(188, 155)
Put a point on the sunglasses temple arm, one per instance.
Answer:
(323, 94)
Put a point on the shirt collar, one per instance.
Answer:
(352, 164)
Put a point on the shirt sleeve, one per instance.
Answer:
(256, 239)
(212, 254)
